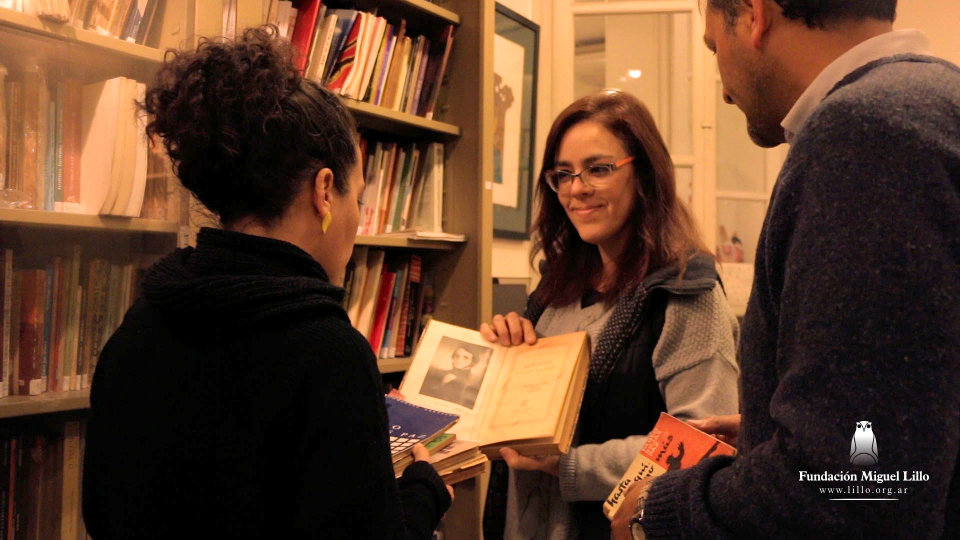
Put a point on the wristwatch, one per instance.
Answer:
(636, 524)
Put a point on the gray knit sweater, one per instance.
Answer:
(854, 316)
(697, 376)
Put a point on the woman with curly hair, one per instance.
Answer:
(623, 262)
(236, 400)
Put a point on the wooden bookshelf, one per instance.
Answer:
(414, 9)
(49, 402)
(51, 31)
(47, 219)
(400, 123)
(387, 241)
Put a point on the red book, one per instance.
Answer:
(33, 287)
(384, 295)
(301, 41)
(409, 308)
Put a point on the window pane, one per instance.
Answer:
(738, 229)
(649, 57)
(740, 162)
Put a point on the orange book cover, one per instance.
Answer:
(672, 444)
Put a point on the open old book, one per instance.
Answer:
(525, 397)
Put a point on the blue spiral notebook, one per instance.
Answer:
(410, 424)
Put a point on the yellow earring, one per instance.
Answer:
(327, 220)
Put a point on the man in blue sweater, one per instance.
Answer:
(850, 353)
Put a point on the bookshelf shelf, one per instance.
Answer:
(415, 9)
(49, 402)
(400, 123)
(394, 365)
(10, 19)
(404, 242)
(41, 218)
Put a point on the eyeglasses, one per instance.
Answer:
(596, 176)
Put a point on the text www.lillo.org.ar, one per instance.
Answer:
(863, 490)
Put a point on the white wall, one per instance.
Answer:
(940, 20)
(511, 257)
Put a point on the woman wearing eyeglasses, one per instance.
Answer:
(624, 262)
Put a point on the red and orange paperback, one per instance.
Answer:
(671, 445)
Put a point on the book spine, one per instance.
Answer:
(48, 310)
(303, 32)
(30, 135)
(57, 124)
(71, 144)
(380, 312)
(4, 112)
(15, 144)
(410, 307)
(32, 297)
(6, 280)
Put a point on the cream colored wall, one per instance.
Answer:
(940, 20)
(511, 257)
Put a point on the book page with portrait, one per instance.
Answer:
(521, 394)
(454, 370)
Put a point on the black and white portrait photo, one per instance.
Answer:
(457, 371)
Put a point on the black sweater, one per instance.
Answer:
(235, 400)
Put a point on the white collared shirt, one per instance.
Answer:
(875, 48)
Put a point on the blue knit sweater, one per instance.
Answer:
(854, 316)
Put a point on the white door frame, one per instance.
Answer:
(703, 200)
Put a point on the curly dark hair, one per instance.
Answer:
(817, 13)
(663, 231)
(243, 129)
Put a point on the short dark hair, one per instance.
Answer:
(243, 129)
(817, 13)
(662, 230)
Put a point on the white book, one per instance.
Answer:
(369, 201)
(373, 46)
(322, 48)
(140, 162)
(100, 117)
(371, 286)
(359, 260)
(428, 215)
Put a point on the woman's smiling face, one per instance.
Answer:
(600, 215)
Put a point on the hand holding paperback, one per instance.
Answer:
(672, 444)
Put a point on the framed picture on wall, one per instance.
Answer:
(516, 46)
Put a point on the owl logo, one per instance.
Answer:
(863, 445)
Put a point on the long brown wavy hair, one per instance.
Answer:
(664, 232)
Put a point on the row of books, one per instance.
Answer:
(362, 56)
(73, 147)
(388, 298)
(40, 479)
(128, 20)
(56, 319)
(403, 187)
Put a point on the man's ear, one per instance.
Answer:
(760, 12)
(322, 191)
